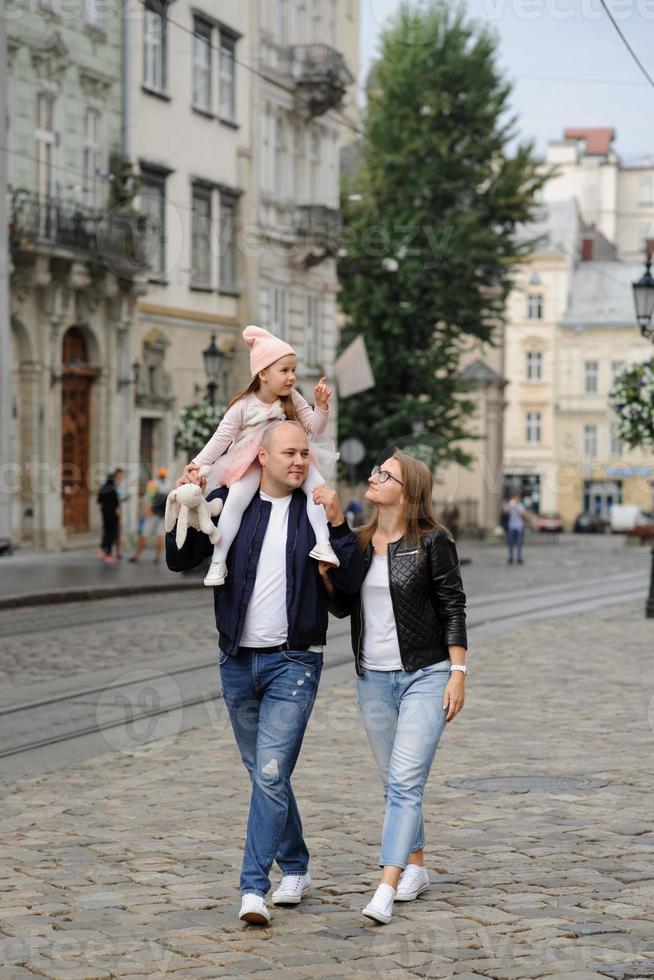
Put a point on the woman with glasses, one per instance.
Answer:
(409, 642)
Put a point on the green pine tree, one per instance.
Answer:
(430, 221)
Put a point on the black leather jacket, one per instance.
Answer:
(427, 596)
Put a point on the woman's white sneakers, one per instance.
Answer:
(414, 882)
(325, 552)
(254, 909)
(292, 889)
(217, 573)
(380, 906)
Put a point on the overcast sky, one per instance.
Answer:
(568, 65)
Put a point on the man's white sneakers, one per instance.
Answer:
(292, 889)
(217, 573)
(414, 882)
(380, 906)
(325, 552)
(254, 909)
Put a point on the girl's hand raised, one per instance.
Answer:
(322, 393)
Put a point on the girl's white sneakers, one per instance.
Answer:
(217, 573)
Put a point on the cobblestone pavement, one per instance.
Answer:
(128, 866)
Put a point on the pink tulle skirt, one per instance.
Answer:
(240, 456)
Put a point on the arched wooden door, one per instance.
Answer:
(75, 430)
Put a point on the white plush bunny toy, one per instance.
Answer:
(186, 506)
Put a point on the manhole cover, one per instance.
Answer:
(526, 784)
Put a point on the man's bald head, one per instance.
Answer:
(271, 433)
(284, 458)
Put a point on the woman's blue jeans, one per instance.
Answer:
(404, 719)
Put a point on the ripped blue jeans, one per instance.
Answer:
(269, 698)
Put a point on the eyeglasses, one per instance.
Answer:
(383, 476)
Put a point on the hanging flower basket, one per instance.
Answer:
(632, 401)
(196, 425)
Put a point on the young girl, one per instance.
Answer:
(269, 398)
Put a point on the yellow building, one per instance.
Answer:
(596, 338)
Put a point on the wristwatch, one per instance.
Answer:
(461, 667)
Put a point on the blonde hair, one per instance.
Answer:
(418, 516)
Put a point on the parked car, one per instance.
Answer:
(548, 523)
(587, 523)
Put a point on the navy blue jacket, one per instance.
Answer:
(306, 598)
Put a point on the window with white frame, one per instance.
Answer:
(315, 16)
(535, 306)
(153, 205)
(227, 93)
(591, 374)
(280, 12)
(646, 189)
(315, 163)
(91, 159)
(279, 169)
(534, 365)
(331, 23)
(298, 10)
(201, 236)
(92, 12)
(154, 46)
(279, 311)
(616, 442)
(228, 241)
(44, 143)
(533, 427)
(617, 367)
(312, 346)
(202, 64)
(589, 441)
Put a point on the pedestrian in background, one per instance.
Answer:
(515, 518)
(154, 509)
(409, 641)
(118, 484)
(450, 517)
(110, 508)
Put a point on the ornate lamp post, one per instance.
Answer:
(644, 303)
(212, 357)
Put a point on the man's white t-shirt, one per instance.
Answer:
(266, 621)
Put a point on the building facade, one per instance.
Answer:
(189, 137)
(597, 339)
(73, 284)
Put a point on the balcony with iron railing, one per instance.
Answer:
(117, 238)
(321, 76)
(317, 223)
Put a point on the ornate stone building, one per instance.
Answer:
(75, 270)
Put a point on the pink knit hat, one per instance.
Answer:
(265, 348)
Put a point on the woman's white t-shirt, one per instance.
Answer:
(380, 649)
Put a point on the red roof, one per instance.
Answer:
(598, 141)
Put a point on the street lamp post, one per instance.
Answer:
(212, 357)
(644, 303)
